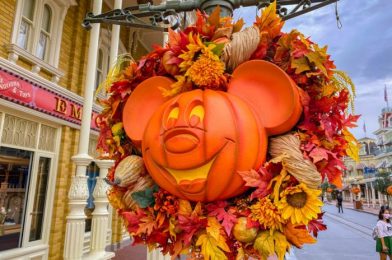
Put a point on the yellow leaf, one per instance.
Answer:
(210, 248)
(198, 209)
(300, 65)
(352, 149)
(283, 176)
(214, 229)
(269, 21)
(281, 244)
(329, 90)
(264, 244)
(185, 207)
(318, 57)
(117, 128)
(240, 254)
(172, 226)
(279, 158)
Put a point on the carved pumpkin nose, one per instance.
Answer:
(176, 142)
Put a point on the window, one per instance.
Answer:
(44, 36)
(15, 168)
(103, 58)
(37, 33)
(35, 28)
(26, 181)
(92, 173)
(100, 70)
(26, 24)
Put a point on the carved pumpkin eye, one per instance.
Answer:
(196, 115)
(172, 116)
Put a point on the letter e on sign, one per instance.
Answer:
(61, 105)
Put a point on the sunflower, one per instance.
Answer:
(267, 214)
(196, 48)
(300, 204)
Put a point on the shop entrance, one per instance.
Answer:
(26, 163)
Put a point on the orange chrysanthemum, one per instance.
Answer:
(267, 214)
(206, 72)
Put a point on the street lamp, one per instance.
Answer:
(133, 16)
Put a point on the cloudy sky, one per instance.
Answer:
(362, 48)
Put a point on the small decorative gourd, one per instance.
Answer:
(128, 171)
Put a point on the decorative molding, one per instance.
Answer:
(100, 190)
(44, 83)
(26, 252)
(82, 159)
(104, 164)
(78, 189)
(37, 63)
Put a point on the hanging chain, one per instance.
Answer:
(338, 22)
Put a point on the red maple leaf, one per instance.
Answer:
(158, 237)
(318, 154)
(258, 179)
(227, 218)
(316, 225)
(350, 121)
(132, 219)
(190, 225)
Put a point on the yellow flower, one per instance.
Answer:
(195, 48)
(267, 214)
(206, 73)
(181, 85)
(300, 204)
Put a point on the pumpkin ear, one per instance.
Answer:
(270, 92)
(141, 104)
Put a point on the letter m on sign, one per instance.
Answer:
(76, 112)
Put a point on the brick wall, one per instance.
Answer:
(6, 22)
(74, 48)
(65, 169)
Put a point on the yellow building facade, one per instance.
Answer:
(375, 157)
(43, 67)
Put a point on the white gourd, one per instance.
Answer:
(128, 171)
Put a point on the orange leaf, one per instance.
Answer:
(238, 25)
(298, 236)
(269, 21)
(214, 17)
(146, 226)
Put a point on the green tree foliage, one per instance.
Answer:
(382, 182)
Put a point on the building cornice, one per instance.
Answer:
(44, 83)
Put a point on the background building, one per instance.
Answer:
(375, 157)
(43, 67)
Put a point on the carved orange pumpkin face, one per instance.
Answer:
(204, 138)
(195, 144)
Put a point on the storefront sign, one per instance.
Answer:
(20, 91)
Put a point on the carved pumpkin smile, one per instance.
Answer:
(194, 144)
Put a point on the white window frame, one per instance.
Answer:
(47, 34)
(40, 246)
(104, 46)
(50, 64)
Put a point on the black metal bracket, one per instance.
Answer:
(164, 16)
(128, 17)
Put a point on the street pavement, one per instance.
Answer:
(348, 237)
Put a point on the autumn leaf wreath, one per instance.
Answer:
(280, 105)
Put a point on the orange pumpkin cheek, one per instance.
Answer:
(198, 158)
